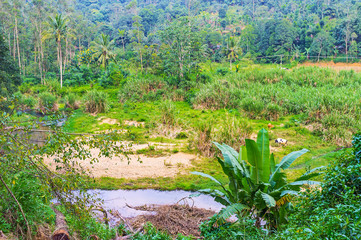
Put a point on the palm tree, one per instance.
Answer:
(233, 50)
(58, 29)
(103, 48)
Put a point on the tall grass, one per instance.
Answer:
(72, 101)
(96, 102)
(322, 96)
(47, 102)
(232, 131)
(143, 89)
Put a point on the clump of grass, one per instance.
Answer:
(47, 102)
(233, 132)
(167, 116)
(315, 93)
(203, 139)
(96, 102)
(181, 135)
(143, 89)
(71, 101)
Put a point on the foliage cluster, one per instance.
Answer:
(333, 211)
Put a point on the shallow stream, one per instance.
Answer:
(119, 199)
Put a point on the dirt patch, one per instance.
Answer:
(336, 66)
(174, 219)
(138, 166)
(107, 121)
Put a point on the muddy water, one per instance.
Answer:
(119, 199)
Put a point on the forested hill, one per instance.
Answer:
(262, 30)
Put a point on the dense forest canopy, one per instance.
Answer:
(265, 31)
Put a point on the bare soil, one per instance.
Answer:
(336, 66)
(138, 166)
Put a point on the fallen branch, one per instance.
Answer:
(61, 232)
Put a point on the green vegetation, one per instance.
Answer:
(257, 186)
(161, 81)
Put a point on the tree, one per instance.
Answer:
(322, 44)
(58, 29)
(233, 50)
(183, 48)
(103, 50)
(138, 36)
(222, 13)
(27, 184)
(122, 34)
(9, 72)
(248, 37)
(281, 41)
(353, 49)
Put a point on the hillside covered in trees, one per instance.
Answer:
(146, 32)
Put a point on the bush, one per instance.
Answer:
(96, 102)
(115, 76)
(334, 211)
(25, 101)
(33, 198)
(52, 85)
(245, 229)
(47, 102)
(222, 71)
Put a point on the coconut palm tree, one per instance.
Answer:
(58, 29)
(233, 50)
(103, 50)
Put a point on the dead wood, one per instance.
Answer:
(61, 232)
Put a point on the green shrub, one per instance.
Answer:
(47, 102)
(25, 101)
(333, 211)
(96, 102)
(245, 229)
(222, 71)
(181, 135)
(33, 198)
(52, 86)
(151, 233)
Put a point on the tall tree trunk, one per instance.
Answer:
(9, 43)
(17, 43)
(66, 53)
(319, 53)
(14, 46)
(346, 40)
(60, 64)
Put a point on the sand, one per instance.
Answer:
(138, 166)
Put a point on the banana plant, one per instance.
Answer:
(257, 186)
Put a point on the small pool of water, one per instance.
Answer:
(119, 199)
